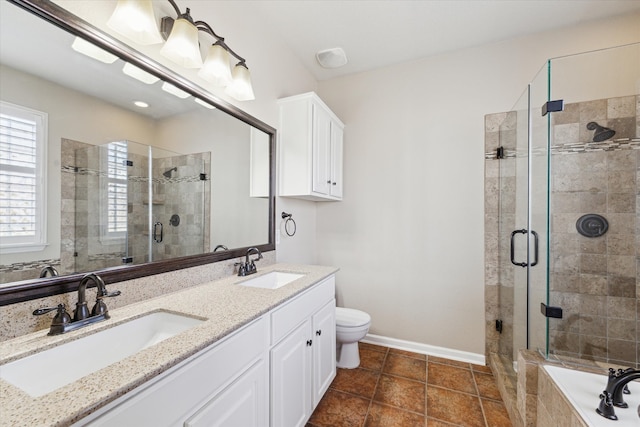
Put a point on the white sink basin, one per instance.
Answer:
(51, 369)
(273, 280)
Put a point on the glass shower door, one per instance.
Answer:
(513, 205)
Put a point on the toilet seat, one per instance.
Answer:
(351, 318)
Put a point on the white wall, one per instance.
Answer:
(408, 236)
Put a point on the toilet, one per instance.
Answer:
(351, 326)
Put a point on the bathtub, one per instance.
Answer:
(582, 390)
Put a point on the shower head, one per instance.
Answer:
(167, 174)
(601, 133)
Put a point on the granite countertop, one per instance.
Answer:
(225, 306)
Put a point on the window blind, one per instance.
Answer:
(117, 188)
(18, 177)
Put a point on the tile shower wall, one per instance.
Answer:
(595, 280)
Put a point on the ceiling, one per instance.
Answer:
(375, 34)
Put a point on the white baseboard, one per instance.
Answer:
(432, 350)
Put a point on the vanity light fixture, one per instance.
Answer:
(182, 45)
(139, 74)
(92, 51)
(168, 87)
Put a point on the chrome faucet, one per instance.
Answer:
(248, 266)
(62, 322)
(616, 387)
(48, 269)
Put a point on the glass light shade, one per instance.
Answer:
(138, 74)
(182, 45)
(240, 88)
(136, 20)
(92, 51)
(216, 67)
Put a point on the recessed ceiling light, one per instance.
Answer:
(141, 104)
(92, 51)
(167, 87)
(332, 58)
(139, 74)
(205, 104)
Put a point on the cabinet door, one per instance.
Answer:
(336, 160)
(291, 379)
(243, 403)
(321, 151)
(324, 350)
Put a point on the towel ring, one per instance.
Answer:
(289, 218)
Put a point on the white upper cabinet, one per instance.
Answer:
(311, 142)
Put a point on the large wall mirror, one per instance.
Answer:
(136, 170)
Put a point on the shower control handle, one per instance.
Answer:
(535, 247)
(157, 237)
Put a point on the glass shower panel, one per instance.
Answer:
(538, 202)
(593, 268)
(180, 186)
(101, 203)
(513, 217)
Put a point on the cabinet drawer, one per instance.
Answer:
(286, 318)
(168, 400)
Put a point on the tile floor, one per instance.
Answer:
(398, 388)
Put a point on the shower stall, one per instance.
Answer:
(134, 203)
(562, 213)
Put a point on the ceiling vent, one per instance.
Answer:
(332, 58)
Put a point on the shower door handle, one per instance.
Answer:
(535, 247)
(157, 237)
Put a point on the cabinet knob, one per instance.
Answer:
(319, 332)
(334, 183)
(329, 182)
(309, 342)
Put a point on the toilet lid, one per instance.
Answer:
(349, 317)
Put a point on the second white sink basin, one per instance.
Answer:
(273, 280)
(43, 372)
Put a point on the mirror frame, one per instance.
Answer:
(38, 288)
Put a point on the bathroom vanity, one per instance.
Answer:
(260, 356)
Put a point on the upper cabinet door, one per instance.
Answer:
(321, 144)
(336, 160)
(311, 144)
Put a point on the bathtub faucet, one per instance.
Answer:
(616, 386)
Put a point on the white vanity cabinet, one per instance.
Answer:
(273, 371)
(226, 384)
(311, 149)
(303, 356)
